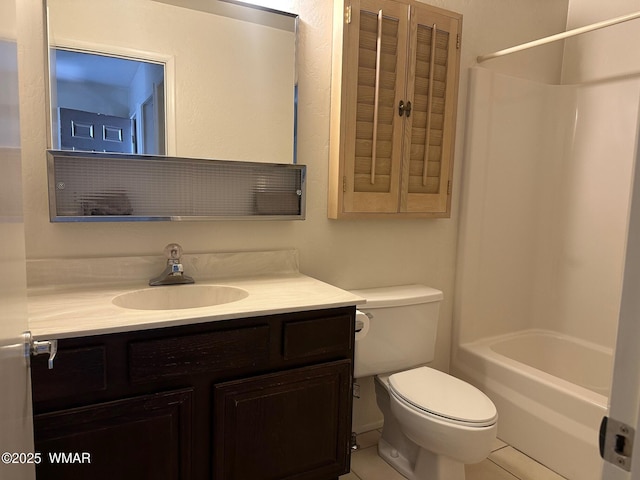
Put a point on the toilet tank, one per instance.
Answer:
(401, 324)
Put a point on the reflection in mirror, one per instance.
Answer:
(107, 104)
(229, 84)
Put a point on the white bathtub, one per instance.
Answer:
(551, 392)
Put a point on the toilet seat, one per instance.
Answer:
(436, 393)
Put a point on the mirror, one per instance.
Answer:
(229, 89)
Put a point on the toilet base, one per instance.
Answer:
(398, 461)
(428, 465)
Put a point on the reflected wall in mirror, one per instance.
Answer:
(229, 70)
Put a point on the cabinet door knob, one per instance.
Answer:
(404, 108)
(407, 109)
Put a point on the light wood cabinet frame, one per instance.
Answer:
(381, 164)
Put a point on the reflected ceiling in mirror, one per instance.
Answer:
(230, 70)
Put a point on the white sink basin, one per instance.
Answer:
(179, 296)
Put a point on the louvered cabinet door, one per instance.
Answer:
(394, 91)
(376, 41)
(432, 89)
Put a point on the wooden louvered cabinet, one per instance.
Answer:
(393, 111)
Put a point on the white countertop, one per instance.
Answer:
(78, 312)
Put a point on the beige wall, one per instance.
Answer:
(349, 254)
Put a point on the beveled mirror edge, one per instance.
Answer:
(237, 9)
(47, 75)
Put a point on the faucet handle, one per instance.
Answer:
(173, 273)
(173, 252)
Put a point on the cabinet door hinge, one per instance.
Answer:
(347, 14)
(458, 41)
(449, 187)
(616, 442)
(344, 183)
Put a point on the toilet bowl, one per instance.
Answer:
(434, 423)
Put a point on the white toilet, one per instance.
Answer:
(433, 423)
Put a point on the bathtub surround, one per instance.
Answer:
(542, 236)
(535, 199)
(541, 208)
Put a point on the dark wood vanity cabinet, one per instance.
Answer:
(264, 398)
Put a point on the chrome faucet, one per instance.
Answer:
(173, 273)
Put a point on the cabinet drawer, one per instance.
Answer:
(75, 372)
(318, 337)
(226, 350)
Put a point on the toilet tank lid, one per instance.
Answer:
(398, 296)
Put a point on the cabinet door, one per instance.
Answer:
(375, 57)
(394, 95)
(432, 89)
(136, 438)
(292, 424)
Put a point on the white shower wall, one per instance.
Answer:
(546, 188)
(547, 176)
(607, 66)
(510, 180)
(588, 256)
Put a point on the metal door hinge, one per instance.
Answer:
(616, 442)
(458, 41)
(33, 348)
(356, 390)
(347, 14)
(344, 183)
(449, 187)
(353, 447)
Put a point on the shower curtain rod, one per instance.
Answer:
(559, 36)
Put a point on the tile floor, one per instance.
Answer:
(504, 463)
